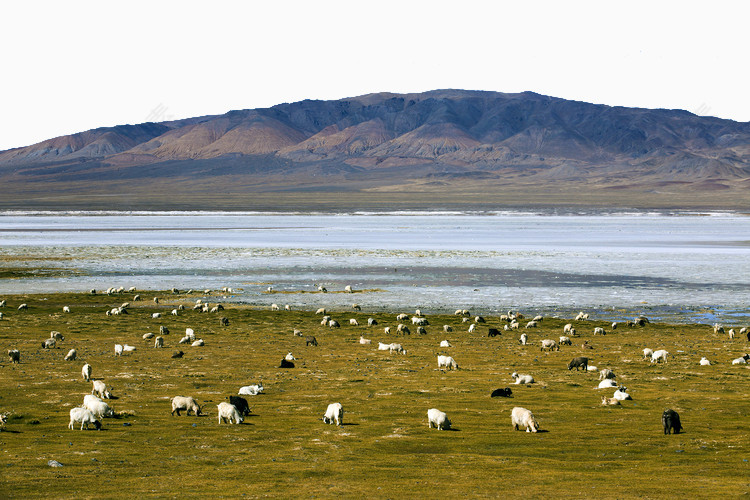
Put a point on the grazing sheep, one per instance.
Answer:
(402, 317)
(621, 394)
(718, 328)
(731, 333)
(177, 354)
(289, 357)
(610, 401)
(659, 355)
(297, 333)
(705, 362)
(156, 315)
(393, 347)
(522, 379)
(311, 341)
(56, 335)
(532, 324)
(85, 417)
(159, 342)
(322, 310)
(387, 330)
(568, 328)
(445, 343)
(614, 326)
(98, 407)
(523, 417)
(49, 344)
(14, 355)
(447, 328)
(739, 361)
(599, 331)
(251, 390)
(580, 361)
(472, 327)
(363, 340)
(538, 318)
(493, 332)
(223, 321)
(128, 348)
(66, 309)
(174, 312)
(100, 389)
(581, 316)
(3, 420)
(479, 319)
(606, 373)
(86, 372)
(334, 412)
(607, 383)
(437, 419)
(198, 343)
(2, 303)
(321, 288)
(23, 307)
(421, 330)
(447, 362)
(403, 329)
(118, 349)
(163, 330)
(325, 320)
(670, 419)
(333, 324)
(523, 339)
(565, 340)
(186, 404)
(348, 289)
(274, 307)
(501, 393)
(416, 320)
(356, 307)
(229, 412)
(240, 404)
(353, 322)
(648, 353)
(71, 356)
(550, 345)
(371, 322)
(1, 315)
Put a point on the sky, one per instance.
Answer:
(76, 65)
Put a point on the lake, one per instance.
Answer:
(680, 266)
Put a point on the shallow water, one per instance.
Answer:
(677, 266)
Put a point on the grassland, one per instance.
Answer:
(385, 449)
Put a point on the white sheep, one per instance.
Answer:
(228, 412)
(198, 343)
(274, 307)
(98, 407)
(565, 340)
(353, 322)
(523, 338)
(334, 412)
(599, 331)
(610, 401)
(174, 312)
(322, 310)
(740, 361)
(156, 315)
(371, 322)
(85, 417)
(71, 356)
(56, 335)
(186, 404)
(159, 342)
(659, 355)
(289, 357)
(100, 389)
(387, 330)
(348, 289)
(86, 372)
(447, 328)
(251, 390)
(523, 417)
(447, 362)
(402, 317)
(49, 344)
(532, 324)
(549, 344)
(23, 307)
(606, 373)
(333, 324)
(66, 309)
(568, 328)
(118, 349)
(648, 353)
(731, 333)
(445, 343)
(607, 383)
(128, 348)
(621, 394)
(437, 419)
(363, 340)
(705, 362)
(522, 379)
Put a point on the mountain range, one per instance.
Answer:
(431, 149)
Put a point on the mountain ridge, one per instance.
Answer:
(387, 141)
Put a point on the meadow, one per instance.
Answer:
(385, 448)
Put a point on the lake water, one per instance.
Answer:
(677, 266)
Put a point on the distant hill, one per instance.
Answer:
(448, 145)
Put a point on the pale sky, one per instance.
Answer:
(70, 66)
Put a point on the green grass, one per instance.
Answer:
(385, 449)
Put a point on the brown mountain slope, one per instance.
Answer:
(446, 141)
